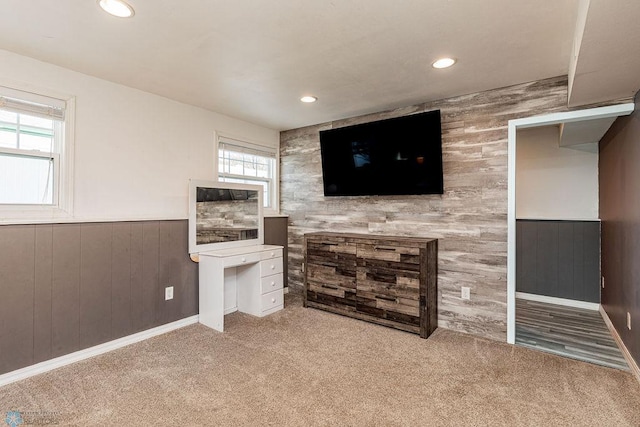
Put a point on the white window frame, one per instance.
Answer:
(62, 156)
(252, 145)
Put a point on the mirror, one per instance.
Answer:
(223, 215)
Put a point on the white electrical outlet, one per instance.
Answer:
(628, 320)
(168, 293)
(602, 282)
(465, 293)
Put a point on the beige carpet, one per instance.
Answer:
(304, 367)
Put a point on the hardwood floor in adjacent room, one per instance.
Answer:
(566, 331)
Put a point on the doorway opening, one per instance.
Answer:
(553, 261)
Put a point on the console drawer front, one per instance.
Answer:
(389, 255)
(388, 281)
(330, 272)
(270, 266)
(271, 283)
(272, 300)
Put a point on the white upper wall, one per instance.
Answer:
(554, 182)
(134, 151)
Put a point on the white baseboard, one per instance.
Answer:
(559, 301)
(635, 370)
(67, 359)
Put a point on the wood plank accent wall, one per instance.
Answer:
(66, 287)
(469, 219)
(558, 259)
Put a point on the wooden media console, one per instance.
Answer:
(387, 280)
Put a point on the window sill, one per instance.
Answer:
(32, 214)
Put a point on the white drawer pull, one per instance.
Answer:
(273, 300)
(273, 283)
(273, 254)
(273, 267)
(244, 259)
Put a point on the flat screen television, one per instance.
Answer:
(400, 156)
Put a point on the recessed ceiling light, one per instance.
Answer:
(443, 63)
(308, 99)
(118, 8)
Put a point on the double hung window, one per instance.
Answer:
(246, 163)
(32, 150)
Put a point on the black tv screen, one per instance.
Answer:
(394, 156)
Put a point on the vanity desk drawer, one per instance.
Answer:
(274, 253)
(272, 300)
(238, 260)
(270, 266)
(271, 283)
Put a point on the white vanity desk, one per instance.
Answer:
(246, 279)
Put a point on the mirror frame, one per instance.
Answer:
(194, 247)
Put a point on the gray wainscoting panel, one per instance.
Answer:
(569, 259)
(121, 307)
(17, 246)
(591, 290)
(67, 287)
(95, 277)
(150, 273)
(547, 260)
(578, 256)
(42, 293)
(137, 254)
(65, 302)
(175, 272)
(558, 259)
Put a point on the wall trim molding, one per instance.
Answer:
(67, 359)
(635, 370)
(559, 301)
(25, 220)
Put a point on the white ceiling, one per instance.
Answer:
(253, 59)
(608, 62)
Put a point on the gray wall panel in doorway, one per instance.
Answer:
(558, 259)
